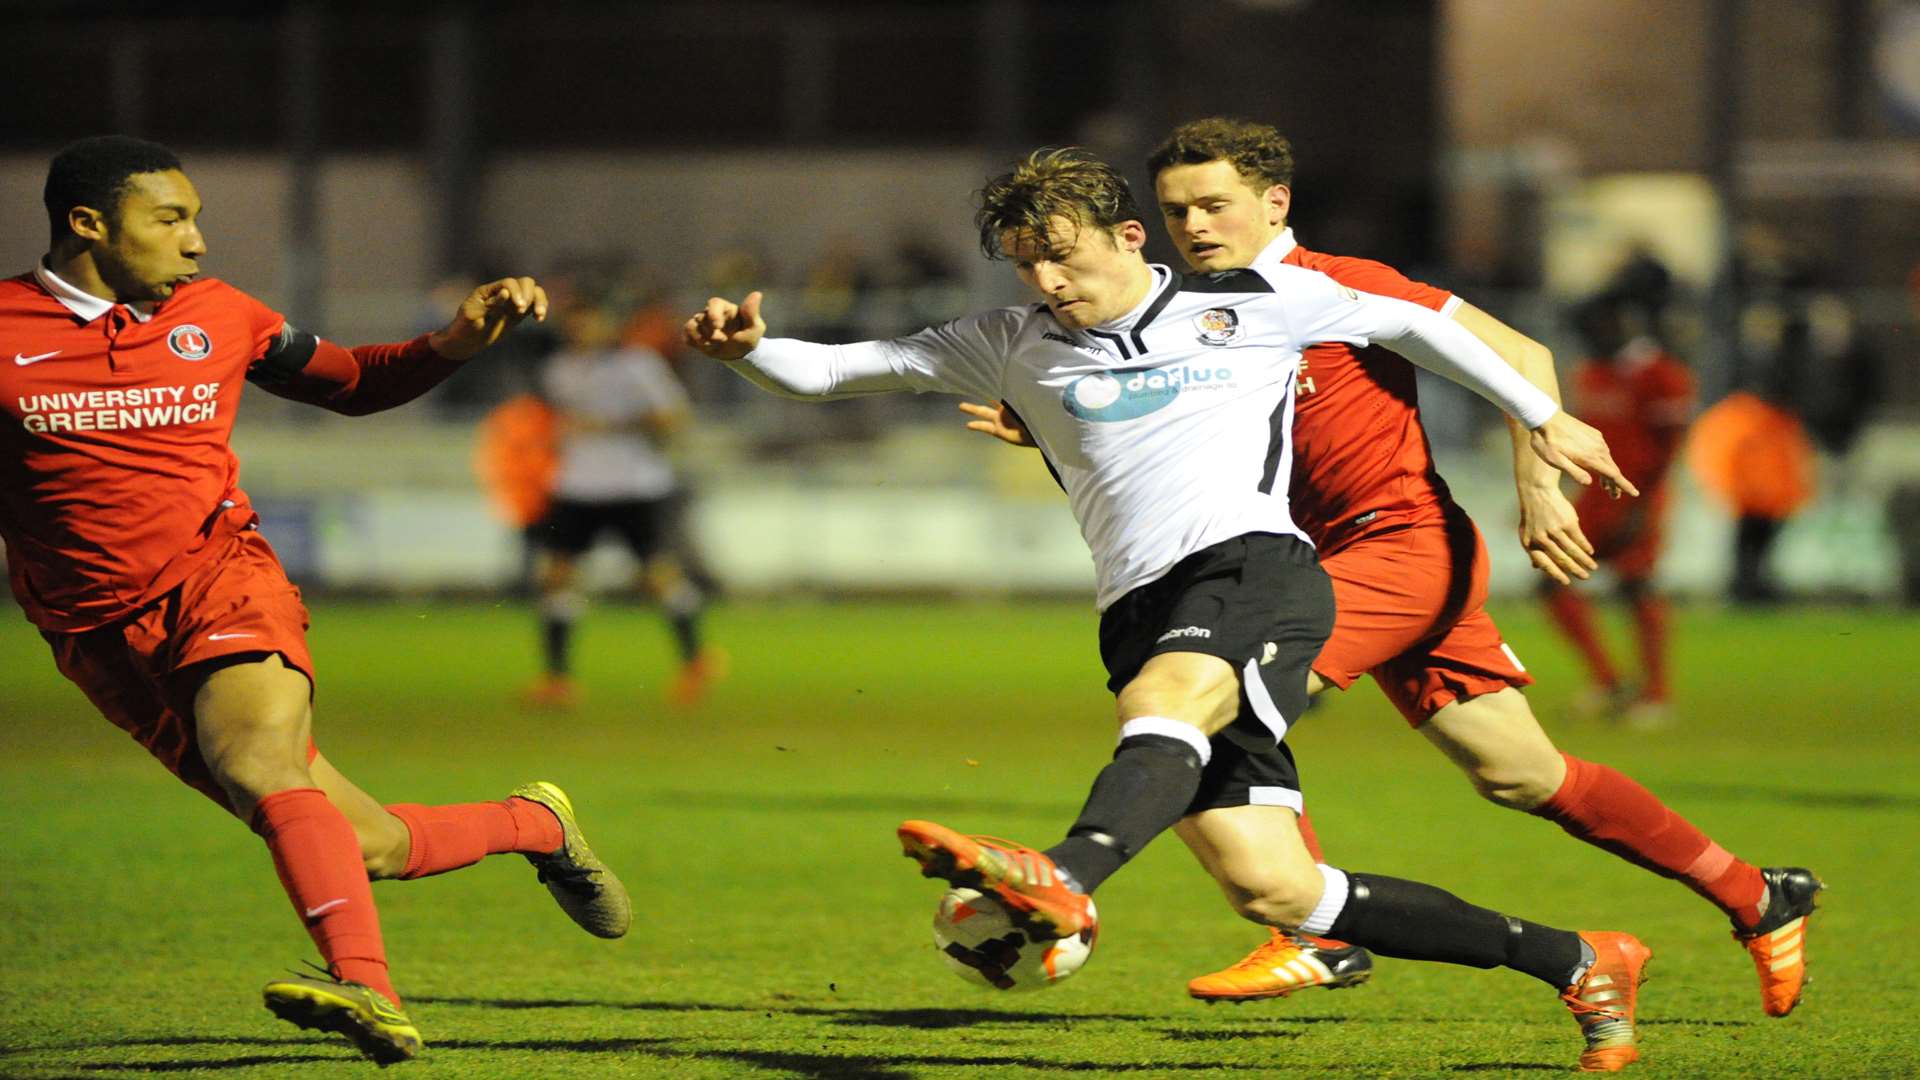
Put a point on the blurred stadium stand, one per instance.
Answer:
(352, 158)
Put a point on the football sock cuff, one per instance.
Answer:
(1177, 730)
(1333, 899)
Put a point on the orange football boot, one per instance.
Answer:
(690, 683)
(1283, 964)
(1603, 1000)
(1034, 890)
(557, 692)
(1778, 944)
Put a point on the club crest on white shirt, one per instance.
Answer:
(189, 342)
(1218, 326)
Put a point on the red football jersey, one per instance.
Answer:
(1641, 401)
(116, 478)
(1360, 454)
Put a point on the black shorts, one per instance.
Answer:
(1258, 601)
(571, 526)
(1238, 775)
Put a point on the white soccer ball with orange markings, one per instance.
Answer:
(981, 942)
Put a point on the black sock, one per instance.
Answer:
(686, 634)
(1145, 789)
(1411, 921)
(557, 639)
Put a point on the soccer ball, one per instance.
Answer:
(980, 941)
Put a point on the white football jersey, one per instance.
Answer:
(1170, 428)
(607, 457)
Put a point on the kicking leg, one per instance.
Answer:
(1167, 714)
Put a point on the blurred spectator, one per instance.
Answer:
(1640, 398)
(615, 408)
(1755, 457)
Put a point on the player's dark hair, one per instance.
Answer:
(1258, 152)
(96, 172)
(1052, 184)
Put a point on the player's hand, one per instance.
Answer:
(1550, 533)
(999, 421)
(725, 330)
(486, 315)
(1576, 449)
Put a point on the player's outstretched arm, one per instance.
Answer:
(373, 378)
(735, 335)
(1550, 530)
(1444, 347)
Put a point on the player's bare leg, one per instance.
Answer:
(1500, 746)
(252, 722)
(1498, 743)
(1259, 858)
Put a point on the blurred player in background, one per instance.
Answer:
(1641, 399)
(1163, 403)
(1409, 574)
(616, 408)
(132, 549)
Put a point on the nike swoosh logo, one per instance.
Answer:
(223, 637)
(316, 912)
(23, 361)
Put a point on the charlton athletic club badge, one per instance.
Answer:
(1218, 326)
(189, 342)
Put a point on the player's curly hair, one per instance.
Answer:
(1258, 152)
(1052, 183)
(95, 172)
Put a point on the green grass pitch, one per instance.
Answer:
(779, 933)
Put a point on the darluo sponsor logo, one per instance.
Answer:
(1135, 392)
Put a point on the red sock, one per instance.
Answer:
(1608, 810)
(318, 857)
(1312, 841)
(450, 837)
(1574, 616)
(1650, 617)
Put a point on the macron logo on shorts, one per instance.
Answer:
(1184, 632)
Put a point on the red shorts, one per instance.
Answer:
(1626, 533)
(240, 602)
(1407, 610)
